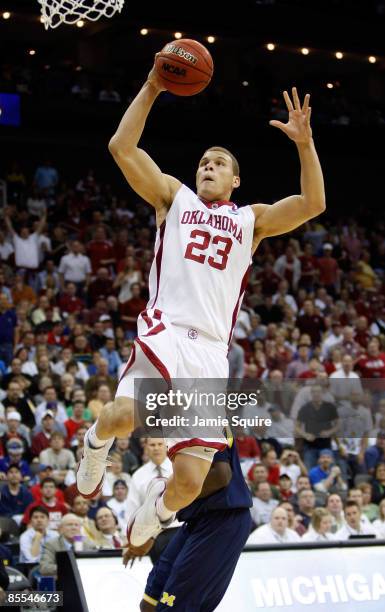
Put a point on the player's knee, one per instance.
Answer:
(188, 484)
(120, 415)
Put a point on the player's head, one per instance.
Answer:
(217, 174)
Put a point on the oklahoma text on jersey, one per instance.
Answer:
(200, 270)
(221, 222)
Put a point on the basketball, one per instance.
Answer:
(184, 66)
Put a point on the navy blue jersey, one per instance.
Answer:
(235, 495)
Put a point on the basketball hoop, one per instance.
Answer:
(55, 12)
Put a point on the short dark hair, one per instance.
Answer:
(233, 158)
(57, 434)
(112, 514)
(350, 503)
(13, 466)
(39, 509)
(47, 479)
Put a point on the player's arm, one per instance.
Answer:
(141, 172)
(289, 213)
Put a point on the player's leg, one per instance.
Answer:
(116, 419)
(237, 527)
(185, 485)
(165, 497)
(191, 452)
(202, 571)
(162, 569)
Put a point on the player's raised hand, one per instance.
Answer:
(298, 126)
(154, 79)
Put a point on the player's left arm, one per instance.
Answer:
(291, 212)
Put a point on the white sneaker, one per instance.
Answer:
(92, 469)
(145, 523)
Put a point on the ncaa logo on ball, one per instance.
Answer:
(173, 69)
(192, 334)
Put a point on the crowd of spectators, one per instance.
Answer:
(310, 337)
(78, 86)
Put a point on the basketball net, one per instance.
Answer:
(55, 12)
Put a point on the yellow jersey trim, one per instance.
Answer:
(150, 600)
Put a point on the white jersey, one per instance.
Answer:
(200, 269)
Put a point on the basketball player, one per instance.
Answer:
(199, 274)
(216, 527)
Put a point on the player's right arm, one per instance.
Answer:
(140, 171)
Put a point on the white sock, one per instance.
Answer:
(97, 442)
(163, 513)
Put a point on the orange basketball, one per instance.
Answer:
(184, 66)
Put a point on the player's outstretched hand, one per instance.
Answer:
(298, 126)
(154, 79)
(134, 552)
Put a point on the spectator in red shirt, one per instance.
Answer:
(55, 336)
(42, 439)
(362, 335)
(269, 279)
(285, 484)
(45, 471)
(247, 446)
(372, 364)
(311, 323)
(56, 510)
(269, 460)
(328, 268)
(68, 301)
(334, 362)
(76, 421)
(120, 245)
(101, 287)
(100, 250)
(309, 268)
(130, 311)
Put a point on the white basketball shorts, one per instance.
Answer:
(166, 351)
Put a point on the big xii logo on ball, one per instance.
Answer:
(189, 57)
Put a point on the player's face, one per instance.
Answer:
(215, 178)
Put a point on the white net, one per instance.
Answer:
(55, 12)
